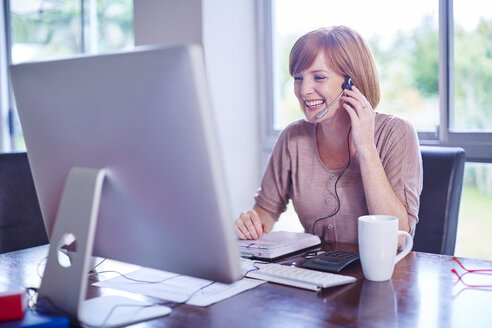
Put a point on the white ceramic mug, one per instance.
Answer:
(378, 244)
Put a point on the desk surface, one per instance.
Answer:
(422, 293)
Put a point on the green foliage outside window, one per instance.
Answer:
(409, 71)
(57, 33)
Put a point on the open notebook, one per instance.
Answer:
(276, 244)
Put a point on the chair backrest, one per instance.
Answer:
(443, 169)
(21, 223)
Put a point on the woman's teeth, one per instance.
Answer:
(314, 103)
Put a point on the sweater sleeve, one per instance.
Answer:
(274, 192)
(402, 163)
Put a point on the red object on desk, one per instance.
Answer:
(12, 304)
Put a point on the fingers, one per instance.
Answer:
(245, 226)
(356, 94)
(362, 118)
(249, 225)
(351, 112)
(357, 106)
(356, 100)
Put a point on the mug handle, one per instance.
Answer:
(408, 246)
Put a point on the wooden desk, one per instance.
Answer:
(422, 293)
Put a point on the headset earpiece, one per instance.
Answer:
(348, 83)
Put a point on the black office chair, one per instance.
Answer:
(440, 199)
(21, 223)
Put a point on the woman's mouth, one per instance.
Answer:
(313, 105)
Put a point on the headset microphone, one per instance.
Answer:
(347, 84)
(325, 110)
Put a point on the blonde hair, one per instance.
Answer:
(346, 53)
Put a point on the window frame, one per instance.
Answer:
(6, 97)
(8, 112)
(477, 145)
(88, 44)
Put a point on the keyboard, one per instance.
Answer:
(293, 276)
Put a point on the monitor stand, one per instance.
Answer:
(64, 285)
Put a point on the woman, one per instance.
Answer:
(344, 160)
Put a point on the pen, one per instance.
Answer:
(250, 245)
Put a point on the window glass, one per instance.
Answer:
(50, 29)
(115, 25)
(40, 32)
(404, 40)
(472, 111)
(54, 29)
(475, 225)
(472, 66)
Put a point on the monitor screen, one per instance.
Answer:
(145, 117)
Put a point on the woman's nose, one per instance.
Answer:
(306, 88)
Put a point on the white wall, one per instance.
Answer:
(167, 21)
(227, 31)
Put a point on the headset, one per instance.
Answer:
(347, 84)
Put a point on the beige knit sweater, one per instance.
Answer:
(295, 172)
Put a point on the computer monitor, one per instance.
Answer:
(144, 116)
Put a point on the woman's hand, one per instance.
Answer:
(250, 226)
(380, 196)
(362, 119)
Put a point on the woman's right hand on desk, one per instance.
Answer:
(251, 224)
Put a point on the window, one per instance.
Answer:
(472, 66)
(471, 115)
(475, 226)
(435, 67)
(409, 86)
(50, 29)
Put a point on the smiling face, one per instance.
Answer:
(316, 87)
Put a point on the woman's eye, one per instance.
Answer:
(319, 77)
(297, 78)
